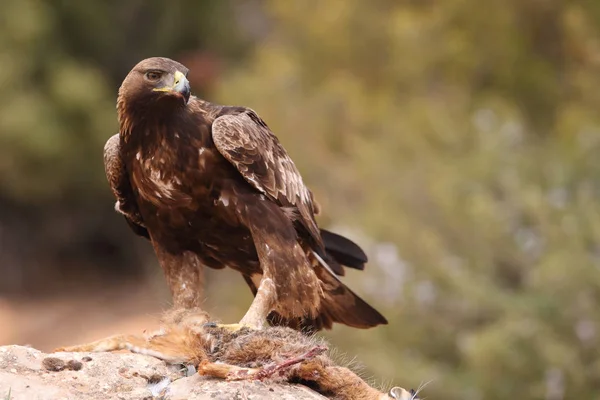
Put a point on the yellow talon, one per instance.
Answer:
(230, 327)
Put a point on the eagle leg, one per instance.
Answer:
(256, 316)
(262, 305)
(185, 276)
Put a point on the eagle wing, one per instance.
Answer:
(246, 141)
(116, 174)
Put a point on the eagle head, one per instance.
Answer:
(155, 84)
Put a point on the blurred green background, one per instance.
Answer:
(456, 141)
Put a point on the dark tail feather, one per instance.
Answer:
(335, 266)
(355, 313)
(339, 304)
(342, 305)
(343, 251)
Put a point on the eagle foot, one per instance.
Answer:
(232, 328)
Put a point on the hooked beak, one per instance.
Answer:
(180, 87)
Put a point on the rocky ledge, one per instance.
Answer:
(27, 373)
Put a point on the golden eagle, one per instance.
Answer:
(211, 185)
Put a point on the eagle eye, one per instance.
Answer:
(153, 76)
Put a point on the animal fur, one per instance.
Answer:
(276, 354)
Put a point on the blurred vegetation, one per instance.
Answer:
(62, 64)
(457, 143)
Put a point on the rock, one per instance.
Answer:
(27, 373)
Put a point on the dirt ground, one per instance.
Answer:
(91, 313)
(74, 318)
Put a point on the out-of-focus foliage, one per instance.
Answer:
(456, 140)
(61, 66)
(466, 136)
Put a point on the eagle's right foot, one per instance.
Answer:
(232, 328)
(256, 316)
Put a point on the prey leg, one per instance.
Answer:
(111, 343)
(235, 373)
(224, 371)
(270, 370)
(172, 347)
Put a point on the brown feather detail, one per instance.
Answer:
(246, 141)
(335, 266)
(283, 260)
(342, 305)
(116, 174)
(212, 186)
(339, 304)
(185, 276)
(316, 205)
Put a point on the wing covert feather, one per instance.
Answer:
(116, 174)
(247, 142)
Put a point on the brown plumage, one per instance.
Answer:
(272, 354)
(212, 186)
